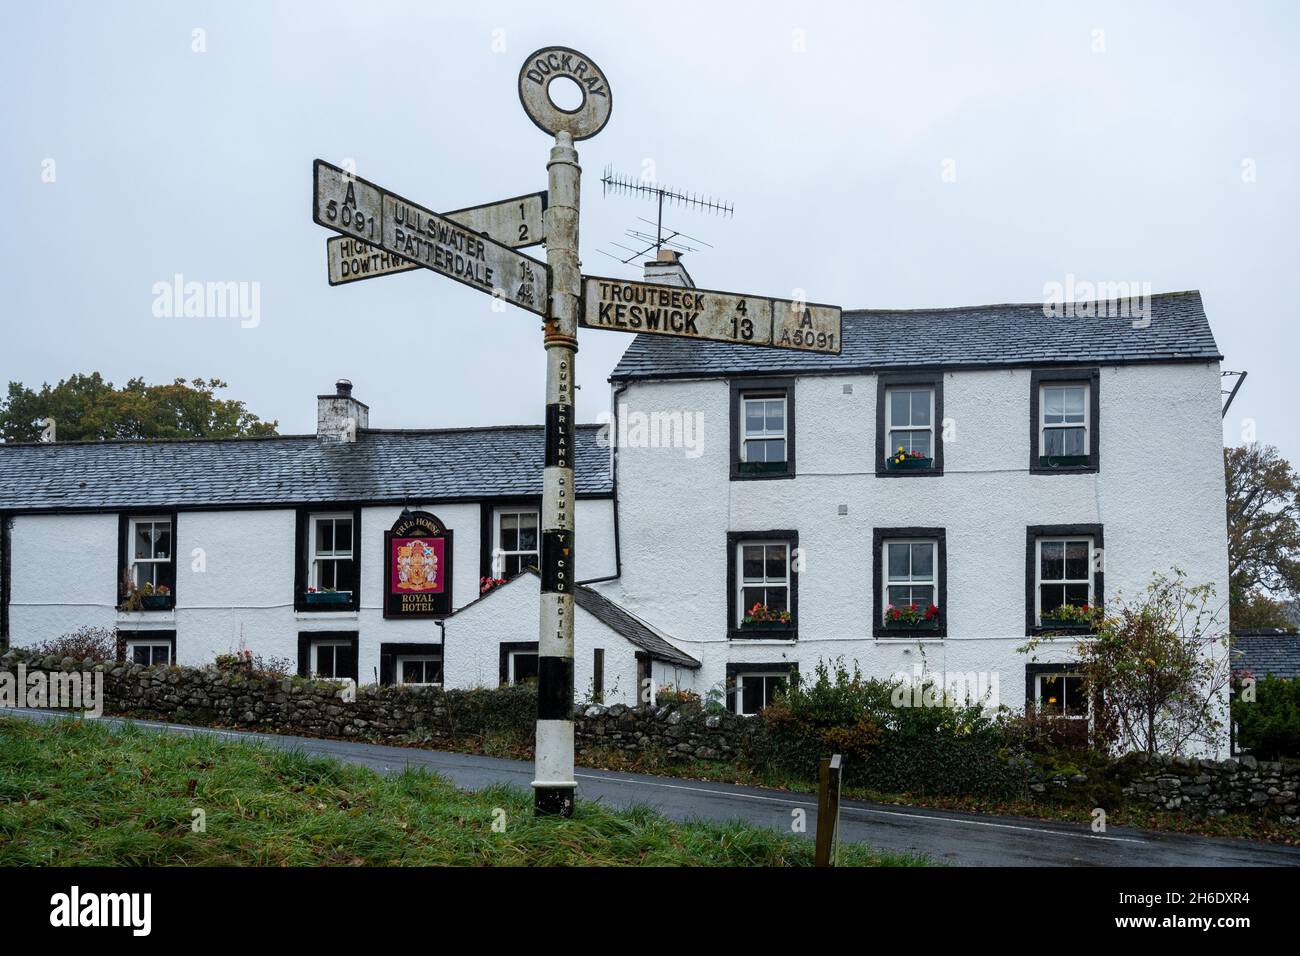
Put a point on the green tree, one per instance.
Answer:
(1263, 535)
(88, 408)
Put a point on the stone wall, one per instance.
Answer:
(299, 706)
(1188, 785)
(682, 730)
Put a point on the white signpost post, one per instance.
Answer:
(476, 246)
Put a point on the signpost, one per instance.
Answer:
(359, 209)
(381, 234)
(705, 314)
(517, 223)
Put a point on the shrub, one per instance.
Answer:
(887, 745)
(1269, 726)
(86, 642)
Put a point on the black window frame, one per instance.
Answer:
(510, 647)
(302, 566)
(149, 636)
(1057, 376)
(1032, 534)
(124, 520)
(878, 538)
(734, 630)
(888, 380)
(390, 652)
(305, 639)
(735, 669)
(753, 386)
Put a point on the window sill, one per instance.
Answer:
(336, 613)
(148, 614)
(761, 636)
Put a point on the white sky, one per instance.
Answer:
(1119, 165)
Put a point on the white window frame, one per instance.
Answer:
(314, 558)
(739, 687)
(1042, 416)
(1038, 569)
(500, 554)
(913, 581)
(153, 644)
(133, 562)
(764, 435)
(510, 662)
(1038, 697)
(741, 607)
(423, 658)
(317, 644)
(890, 427)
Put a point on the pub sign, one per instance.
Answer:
(417, 567)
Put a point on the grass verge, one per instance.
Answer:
(85, 794)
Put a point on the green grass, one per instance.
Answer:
(84, 794)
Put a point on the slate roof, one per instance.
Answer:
(615, 618)
(981, 336)
(381, 466)
(633, 628)
(1267, 652)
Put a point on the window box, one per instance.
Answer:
(1063, 461)
(930, 625)
(768, 626)
(155, 602)
(1064, 623)
(763, 467)
(909, 464)
(328, 597)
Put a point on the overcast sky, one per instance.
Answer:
(1144, 142)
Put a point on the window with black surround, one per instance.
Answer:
(328, 576)
(1060, 695)
(147, 561)
(1064, 421)
(752, 687)
(762, 428)
(413, 664)
(1064, 576)
(518, 662)
(909, 572)
(909, 424)
(517, 542)
(148, 648)
(763, 584)
(328, 654)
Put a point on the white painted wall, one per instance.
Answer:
(65, 571)
(510, 615)
(1159, 496)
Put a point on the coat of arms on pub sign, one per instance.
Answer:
(417, 567)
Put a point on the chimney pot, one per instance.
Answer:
(343, 388)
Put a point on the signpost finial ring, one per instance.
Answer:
(551, 63)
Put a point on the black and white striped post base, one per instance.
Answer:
(554, 786)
